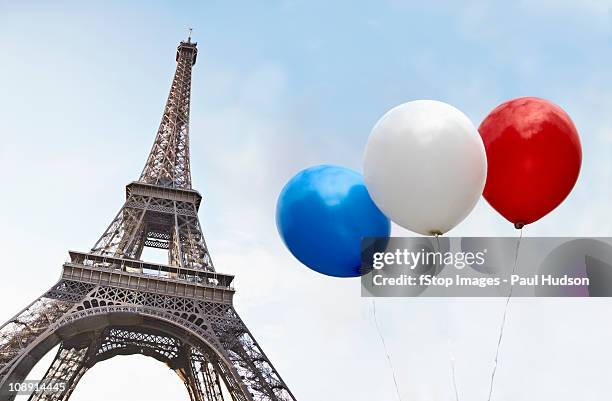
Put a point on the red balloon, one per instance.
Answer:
(533, 156)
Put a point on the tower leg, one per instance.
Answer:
(189, 375)
(63, 375)
(19, 332)
(211, 381)
(200, 377)
(253, 366)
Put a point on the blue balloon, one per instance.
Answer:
(322, 214)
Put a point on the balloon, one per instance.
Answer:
(534, 158)
(425, 166)
(579, 258)
(322, 214)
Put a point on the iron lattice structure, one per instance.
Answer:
(109, 302)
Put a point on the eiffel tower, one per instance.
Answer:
(109, 302)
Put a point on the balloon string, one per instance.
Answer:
(452, 363)
(503, 324)
(450, 347)
(382, 340)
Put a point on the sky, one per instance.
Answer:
(280, 86)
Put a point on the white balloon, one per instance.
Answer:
(425, 166)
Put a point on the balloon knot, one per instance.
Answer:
(519, 224)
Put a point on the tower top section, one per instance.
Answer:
(189, 48)
(168, 162)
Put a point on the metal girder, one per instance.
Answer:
(67, 368)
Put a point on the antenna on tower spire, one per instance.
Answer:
(190, 32)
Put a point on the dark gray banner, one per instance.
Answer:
(486, 267)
